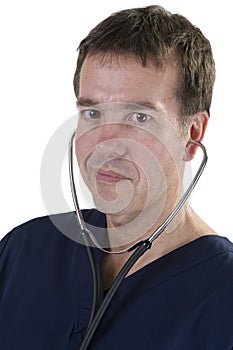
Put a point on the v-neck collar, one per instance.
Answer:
(165, 267)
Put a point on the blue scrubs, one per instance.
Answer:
(182, 301)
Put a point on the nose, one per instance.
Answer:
(113, 147)
(112, 140)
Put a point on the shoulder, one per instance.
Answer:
(59, 223)
(217, 283)
(219, 249)
(211, 276)
(42, 242)
(211, 260)
(47, 231)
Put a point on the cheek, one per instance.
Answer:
(147, 150)
(158, 162)
(84, 145)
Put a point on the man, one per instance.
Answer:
(143, 82)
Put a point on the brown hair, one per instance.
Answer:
(153, 32)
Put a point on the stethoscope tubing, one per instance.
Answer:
(139, 248)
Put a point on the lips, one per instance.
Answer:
(109, 176)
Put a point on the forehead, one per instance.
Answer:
(118, 72)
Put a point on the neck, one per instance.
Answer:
(187, 227)
(124, 229)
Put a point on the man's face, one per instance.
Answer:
(128, 142)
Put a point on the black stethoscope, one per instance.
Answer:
(139, 248)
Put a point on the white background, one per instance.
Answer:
(38, 56)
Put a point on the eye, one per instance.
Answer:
(91, 113)
(139, 117)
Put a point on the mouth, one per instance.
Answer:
(109, 176)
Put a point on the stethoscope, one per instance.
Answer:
(139, 248)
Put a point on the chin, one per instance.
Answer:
(121, 217)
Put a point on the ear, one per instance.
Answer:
(196, 132)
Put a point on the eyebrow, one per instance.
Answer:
(87, 102)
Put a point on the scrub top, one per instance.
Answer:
(183, 300)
